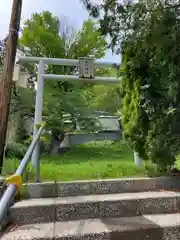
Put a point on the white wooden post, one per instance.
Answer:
(137, 159)
(38, 117)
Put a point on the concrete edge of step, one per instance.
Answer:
(145, 226)
(106, 186)
(83, 207)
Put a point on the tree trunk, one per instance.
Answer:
(56, 141)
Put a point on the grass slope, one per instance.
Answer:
(96, 160)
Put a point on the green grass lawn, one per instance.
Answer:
(96, 160)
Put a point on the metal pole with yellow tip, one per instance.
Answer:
(15, 181)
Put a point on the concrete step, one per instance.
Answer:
(75, 188)
(94, 206)
(150, 227)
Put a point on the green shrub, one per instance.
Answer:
(15, 149)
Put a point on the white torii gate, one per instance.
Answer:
(86, 68)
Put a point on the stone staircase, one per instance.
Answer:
(138, 209)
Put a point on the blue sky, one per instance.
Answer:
(69, 8)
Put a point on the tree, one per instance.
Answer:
(2, 52)
(105, 97)
(47, 36)
(21, 99)
(119, 18)
(147, 33)
(21, 110)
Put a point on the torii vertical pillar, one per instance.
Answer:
(38, 117)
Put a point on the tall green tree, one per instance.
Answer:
(2, 52)
(105, 97)
(45, 35)
(22, 100)
(147, 33)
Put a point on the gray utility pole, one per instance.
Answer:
(6, 79)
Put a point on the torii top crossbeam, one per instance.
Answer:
(66, 62)
(76, 63)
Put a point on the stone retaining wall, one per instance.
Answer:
(76, 139)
